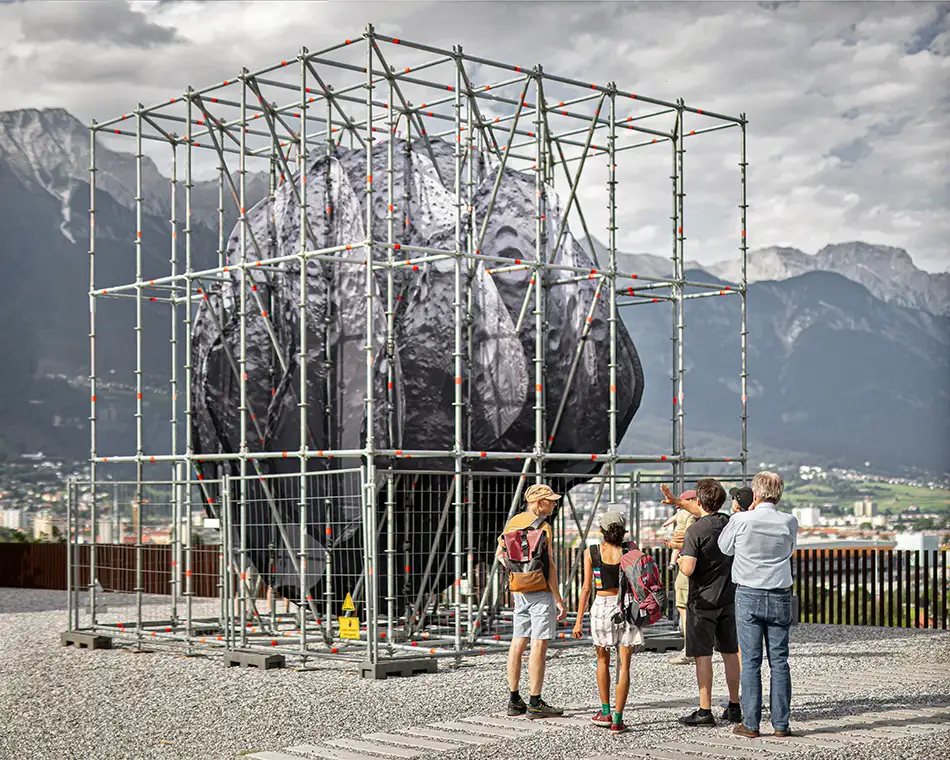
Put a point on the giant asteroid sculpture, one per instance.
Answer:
(417, 412)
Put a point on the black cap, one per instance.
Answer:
(742, 495)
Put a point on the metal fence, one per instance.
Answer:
(898, 589)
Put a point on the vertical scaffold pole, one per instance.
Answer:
(457, 404)
(390, 372)
(470, 339)
(612, 278)
(743, 285)
(92, 372)
(173, 384)
(537, 279)
(328, 363)
(369, 493)
(304, 597)
(242, 358)
(674, 289)
(189, 437)
(680, 302)
(139, 452)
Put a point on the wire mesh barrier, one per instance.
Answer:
(296, 565)
(882, 587)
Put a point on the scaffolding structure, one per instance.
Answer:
(364, 90)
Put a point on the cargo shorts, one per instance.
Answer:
(535, 616)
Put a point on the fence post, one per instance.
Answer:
(69, 555)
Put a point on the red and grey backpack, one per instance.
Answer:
(526, 550)
(641, 599)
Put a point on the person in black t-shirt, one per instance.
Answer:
(710, 607)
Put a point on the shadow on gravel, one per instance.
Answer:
(854, 707)
(860, 724)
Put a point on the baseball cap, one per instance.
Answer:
(742, 495)
(540, 491)
(690, 494)
(612, 518)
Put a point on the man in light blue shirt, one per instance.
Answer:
(762, 541)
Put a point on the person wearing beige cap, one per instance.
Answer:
(536, 612)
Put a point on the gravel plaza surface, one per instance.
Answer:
(858, 692)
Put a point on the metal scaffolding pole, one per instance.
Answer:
(744, 284)
(612, 276)
(369, 492)
(93, 452)
(304, 595)
(457, 403)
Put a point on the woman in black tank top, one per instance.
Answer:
(602, 579)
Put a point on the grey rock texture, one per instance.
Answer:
(499, 379)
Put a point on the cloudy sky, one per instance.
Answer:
(847, 103)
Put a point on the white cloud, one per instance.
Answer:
(847, 103)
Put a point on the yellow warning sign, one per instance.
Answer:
(349, 627)
(348, 605)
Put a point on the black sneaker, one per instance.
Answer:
(732, 714)
(544, 710)
(517, 707)
(695, 719)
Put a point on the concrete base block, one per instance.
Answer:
(663, 642)
(85, 640)
(253, 660)
(403, 668)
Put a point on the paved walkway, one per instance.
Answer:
(445, 739)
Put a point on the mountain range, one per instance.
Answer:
(849, 348)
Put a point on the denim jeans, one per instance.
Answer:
(764, 616)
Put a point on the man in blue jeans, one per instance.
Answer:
(762, 541)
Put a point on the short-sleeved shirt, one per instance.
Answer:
(684, 519)
(524, 520)
(710, 585)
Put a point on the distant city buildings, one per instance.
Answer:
(808, 517)
(46, 526)
(12, 519)
(865, 508)
(922, 543)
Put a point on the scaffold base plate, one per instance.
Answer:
(403, 668)
(85, 640)
(253, 660)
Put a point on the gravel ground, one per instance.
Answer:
(59, 702)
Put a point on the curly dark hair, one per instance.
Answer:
(711, 494)
(613, 534)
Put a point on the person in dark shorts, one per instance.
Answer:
(711, 614)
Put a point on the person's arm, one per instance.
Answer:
(679, 535)
(690, 506)
(727, 539)
(585, 595)
(552, 576)
(687, 565)
(669, 522)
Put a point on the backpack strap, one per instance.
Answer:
(537, 523)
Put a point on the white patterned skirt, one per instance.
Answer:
(605, 632)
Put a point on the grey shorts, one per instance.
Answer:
(535, 616)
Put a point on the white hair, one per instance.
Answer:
(768, 486)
